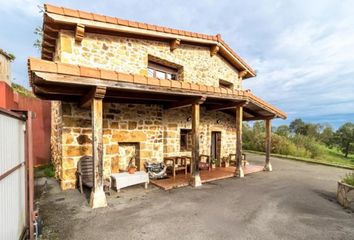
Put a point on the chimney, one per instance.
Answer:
(5, 67)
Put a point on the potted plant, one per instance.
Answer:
(345, 191)
(131, 165)
(213, 162)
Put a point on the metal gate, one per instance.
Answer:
(14, 191)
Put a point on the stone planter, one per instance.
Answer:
(345, 195)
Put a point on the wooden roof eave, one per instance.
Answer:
(53, 86)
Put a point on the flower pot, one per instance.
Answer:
(345, 195)
(131, 170)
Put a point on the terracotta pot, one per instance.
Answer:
(132, 170)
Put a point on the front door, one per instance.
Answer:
(215, 146)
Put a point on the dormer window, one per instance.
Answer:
(225, 84)
(158, 70)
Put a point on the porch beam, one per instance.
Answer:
(79, 32)
(186, 103)
(98, 197)
(174, 44)
(233, 105)
(253, 113)
(195, 180)
(239, 171)
(214, 49)
(97, 92)
(260, 118)
(268, 145)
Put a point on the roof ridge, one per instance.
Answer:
(120, 21)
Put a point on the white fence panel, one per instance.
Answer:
(12, 186)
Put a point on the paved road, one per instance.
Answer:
(295, 201)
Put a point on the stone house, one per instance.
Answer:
(124, 88)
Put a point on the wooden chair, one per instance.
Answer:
(204, 162)
(232, 159)
(176, 164)
(85, 172)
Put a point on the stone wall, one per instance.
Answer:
(131, 55)
(56, 137)
(155, 130)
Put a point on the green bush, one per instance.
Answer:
(49, 171)
(349, 179)
(314, 148)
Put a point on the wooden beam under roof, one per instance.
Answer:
(214, 49)
(97, 92)
(186, 103)
(174, 44)
(259, 118)
(232, 105)
(79, 32)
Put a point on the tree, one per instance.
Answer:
(298, 126)
(327, 135)
(345, 137)
(283, 130)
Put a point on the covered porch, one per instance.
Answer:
(215, 174)
(91, 87)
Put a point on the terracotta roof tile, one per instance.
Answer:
(99, 18)
(122, 22)
(70, 12)
(133, 24)
(126, 77)
(68, 69)
(153, 81)
(143, 25)
(111, 20)
(53, 9)
(86, 15)
(165, 83)
(176, 84)
(186, 85)
(89, 72)
(151, 27)
(140, 79)
(109, 75)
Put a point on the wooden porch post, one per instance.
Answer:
(239, 115)
(195, 177)
(98, 197)
(268, 144)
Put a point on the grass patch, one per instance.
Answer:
(349, 179)
(44, 171)
(330, 157)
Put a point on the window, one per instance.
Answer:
(157, 70)
(225, 84)
(186, 140)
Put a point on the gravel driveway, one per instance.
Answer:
(295, 201)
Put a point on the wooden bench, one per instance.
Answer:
(124, 179)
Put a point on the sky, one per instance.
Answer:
(303, 51)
